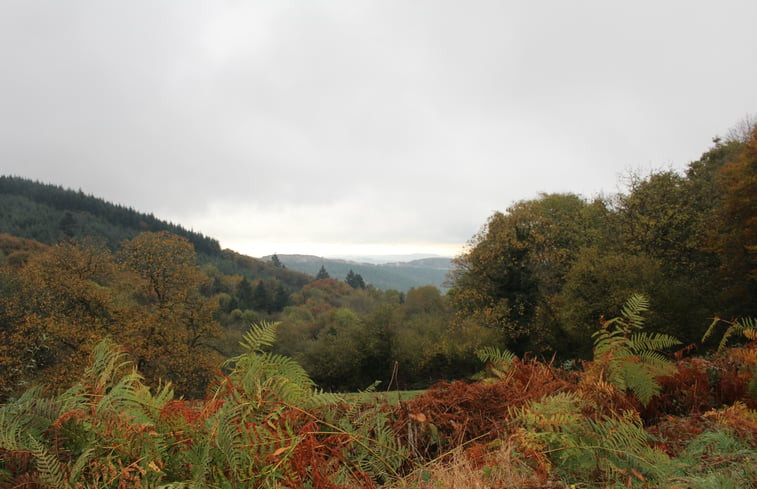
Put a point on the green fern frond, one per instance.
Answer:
(579, 444)
(632, 310)
(142, 404)
(228, 438)
(746, 326)
(12, 430)
(641, 342)
(28, 416)
(630, 359)
(556, 412)
(80, 464)
(259, 337)
(494, 354)
(498, 362)
(656, 363)
(319, 398)
(108, 360)
(200, 463)
(612, 444)
(74, 398)
(640, 382)
(120, 394)
(49, 468)
(267, 380)
(375, 449)
(611, 341)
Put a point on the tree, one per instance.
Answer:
(734, 229)
(54, 310)
(595, 287)
(322, 273)
(68, 224)
(426, 300)
(260, 297)
(335, 359)
(678, 221)
(280, 297)
(167, 263)
(276, 262)
(661, 217)
(516, 266)
(355, 280)
(175, 322)
(245, 295)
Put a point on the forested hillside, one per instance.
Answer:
(544, 272)
(49, 213)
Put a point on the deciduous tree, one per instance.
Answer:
(516, 265)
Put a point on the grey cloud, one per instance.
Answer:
(423, 116)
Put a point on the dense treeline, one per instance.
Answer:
(54, 213)
(542, 276)
(538, 278)
(543, 273)
(179, 319)
(346, 337)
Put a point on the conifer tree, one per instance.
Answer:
(322, 273)
(260, 297)
(355, 280)
(276, 262)
(245, 296)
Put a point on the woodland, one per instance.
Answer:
(583, 343)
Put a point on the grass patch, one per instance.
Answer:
(390, 397)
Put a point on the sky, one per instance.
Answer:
(363, 127)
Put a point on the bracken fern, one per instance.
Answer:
(629, 358)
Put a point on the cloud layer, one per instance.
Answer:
(275, 125)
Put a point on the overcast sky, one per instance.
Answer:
(362, 127)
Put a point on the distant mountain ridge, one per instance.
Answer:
(383, 259)
(398, 275)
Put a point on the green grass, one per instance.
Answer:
(390, 397)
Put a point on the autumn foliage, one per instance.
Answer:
(60, 301)
(121, 369)
(525, 424)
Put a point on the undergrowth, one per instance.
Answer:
(633, 417)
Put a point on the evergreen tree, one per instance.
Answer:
(355, 280)
(280, 298)
(245, 296)
(68, 224)
(322, 273)
(260, 297)
(276, 262)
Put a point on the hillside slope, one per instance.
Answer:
(49, 213)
